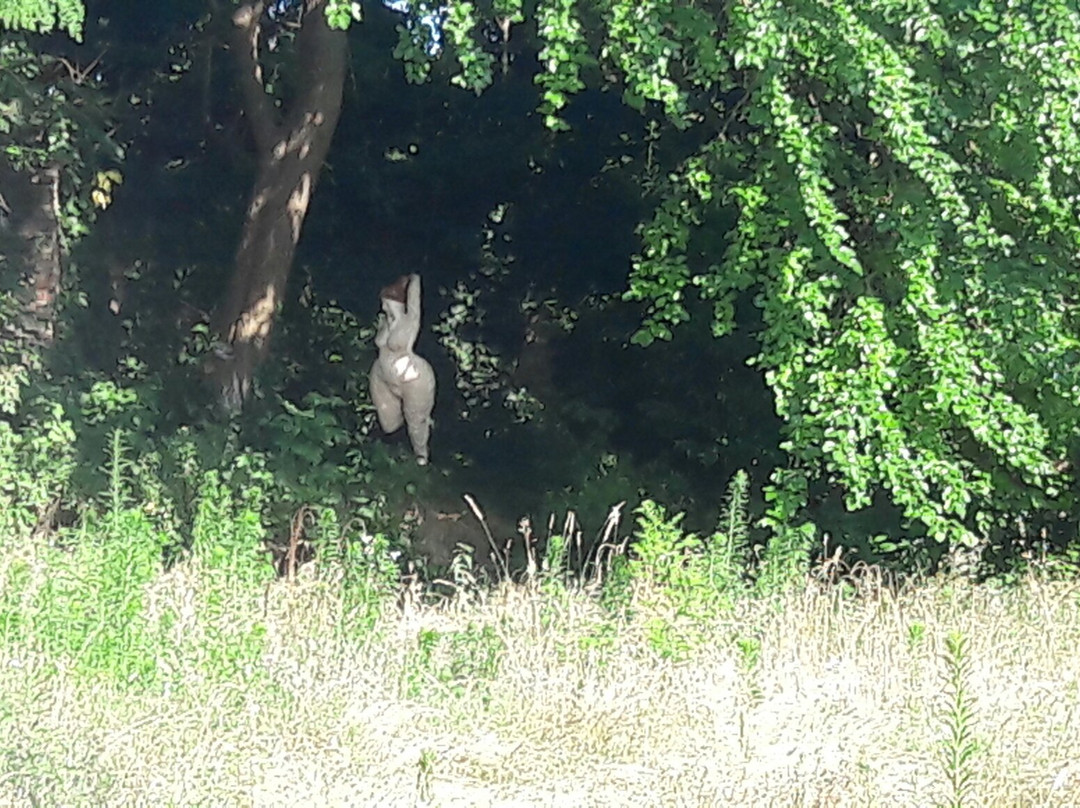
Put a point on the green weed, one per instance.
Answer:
(958, 719)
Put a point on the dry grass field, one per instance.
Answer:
(945, 693)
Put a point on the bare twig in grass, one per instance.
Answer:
(500, 560)
(570, 525)
(526, 531)
(425, 771)
(303, 516)
(605, 545)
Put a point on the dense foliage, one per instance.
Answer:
(905, 180)
(43, 16)
(54, 113)
(900, 178)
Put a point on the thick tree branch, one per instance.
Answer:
(245, 47)
(322, 58)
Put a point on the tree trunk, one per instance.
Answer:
(291, 150)
(30, 226)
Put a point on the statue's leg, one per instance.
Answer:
(387, 405)
(418, 398)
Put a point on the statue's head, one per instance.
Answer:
(396, 290)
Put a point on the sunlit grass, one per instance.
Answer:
(522, 697)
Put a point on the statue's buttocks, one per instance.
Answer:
(402, 383)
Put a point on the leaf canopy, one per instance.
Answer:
(905, 176)
(43, 16)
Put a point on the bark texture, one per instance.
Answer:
(292, 146)
(30, 248)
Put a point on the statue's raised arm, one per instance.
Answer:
(413, 305)
(402, 383)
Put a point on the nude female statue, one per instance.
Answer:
(402, 383)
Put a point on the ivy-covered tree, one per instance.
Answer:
(57, 165)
